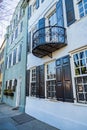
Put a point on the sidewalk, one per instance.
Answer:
(14, 120)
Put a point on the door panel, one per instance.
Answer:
(63, 79)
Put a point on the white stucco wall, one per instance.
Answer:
(65, 116)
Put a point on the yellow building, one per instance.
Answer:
(1, 63)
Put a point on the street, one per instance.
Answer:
(12, 119)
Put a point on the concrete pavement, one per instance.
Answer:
(11, 119)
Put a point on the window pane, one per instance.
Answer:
(76, 63)
(79, 80)
(76, 57)
(86, 53)
(85, 79)
(83, 70)
(82, 62)
(81, 55)
(85, 88)
(77, 71)
(80, 88)
(81, 97)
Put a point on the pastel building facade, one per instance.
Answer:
(57, 63)
(2, 48)
(14, 78)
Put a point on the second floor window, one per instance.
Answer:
(10, 59)
(21, 26)
(82, 5)
(16, 33)
(14, 56)
(19, 52)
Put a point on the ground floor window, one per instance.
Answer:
(33, 82)
(51, 80)
(80, 67)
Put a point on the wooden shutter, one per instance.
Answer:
(63, 80)
(37, 4)
(59, 13)
(67, 83)
(70, 12)
(41, 24)
(27, 82)
(59, 80)
(42, 82)
(40, 86)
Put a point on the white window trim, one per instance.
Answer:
(31, 80)
(73, 71)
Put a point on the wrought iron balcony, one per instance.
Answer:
(47, 40)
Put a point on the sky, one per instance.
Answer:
(7, 8)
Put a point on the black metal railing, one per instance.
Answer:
(49, 35)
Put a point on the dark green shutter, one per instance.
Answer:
(27, 82)
(41, 26)
(70, 12)
(37, 4)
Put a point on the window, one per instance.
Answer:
(29, 42)
(80, 63)
(10, 84)
(21, 26)
(14, 56)
(16, 33)
(29, 11)
(34, 6)
(42, 1)
(19, 52)
(80, 66)
(51, 80)
(12, 38)
(53, 22)
(14, 22)
(6, 63)
(37, 4)
(10, 59)
(82, 5)
(33, 82)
